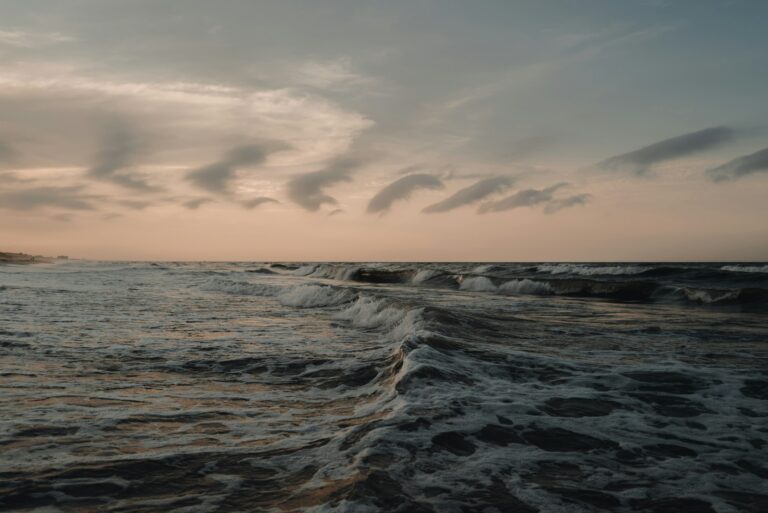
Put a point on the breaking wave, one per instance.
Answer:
(526, 286)
(313, 296)
(591, 269)
(477, 284)
(359, 396)
(746, 268)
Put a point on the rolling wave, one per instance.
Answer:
(386, 388)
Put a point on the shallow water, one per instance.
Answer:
(201, 387)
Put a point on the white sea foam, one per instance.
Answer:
(708, 296)
(589, 270)
(331, 271)
(525, 286)
(746, 268)
(424, 275)
(369, 312)
(341, 272)
(477, 284)
(703, 296)
(376, 313)
(313, 296)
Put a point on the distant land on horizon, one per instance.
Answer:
(23, 258)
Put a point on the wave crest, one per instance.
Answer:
(477, 284)
(525, 286)
(745, 268)
(590, 269)
(313, 296)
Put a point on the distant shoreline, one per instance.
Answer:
(23, 258)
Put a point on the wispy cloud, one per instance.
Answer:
(185, 122)
(119, 150)
(9, 177)
(196, 203)
(737, 168)
(134, 204)
(401, 189)
(580, 49)
(25, 39)
(639, 162)
(524, 198)
(70, 198)
(572, 201)
(307, 190)
(255, 202)
(217, 177)
(472, 194)
(333, 74)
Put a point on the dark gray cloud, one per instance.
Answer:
(572, 201)
(402, 189)
(216, 177)
(472, 194)
(640, 161)
(524, 198)
(748, 164)
(307, 190)
(119, 151)
(255, 202)
(70, 198)
(196, 203)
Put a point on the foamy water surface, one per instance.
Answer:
(204, 387)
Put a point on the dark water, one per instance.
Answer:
(203, 387)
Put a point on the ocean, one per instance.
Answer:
(379, 387)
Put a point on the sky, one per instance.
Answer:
(440, 130)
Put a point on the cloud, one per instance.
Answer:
(572, 201)
(524, 198)
(307, 190)
(57, 108)
(24, 39)
(7, 153)
(135, 204)
(640, 161)
(119, 150)
(402, 189)
(255, 202)
(335, 212)
(9, 177)
(748, 164)
(70, 198)
(196, 203)
(63, 218)
(334, 74)
(216, 177)
(472, 194)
